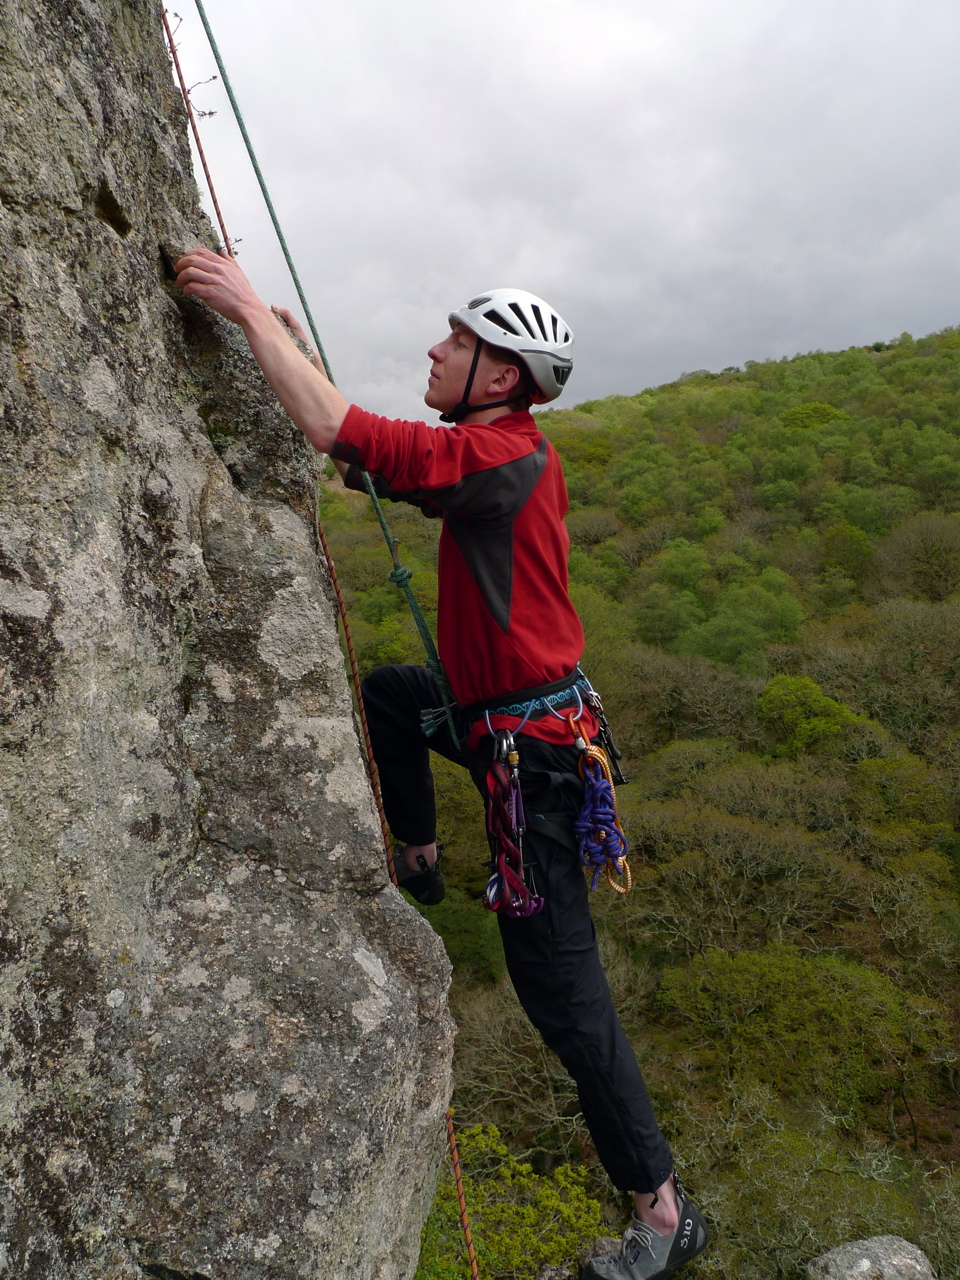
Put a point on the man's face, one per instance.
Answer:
(450, 368)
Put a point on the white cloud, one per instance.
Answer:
(693, 183)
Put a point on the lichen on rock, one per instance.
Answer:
(879, 1258)
(225, 1042)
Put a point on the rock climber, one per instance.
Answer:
(509, 641)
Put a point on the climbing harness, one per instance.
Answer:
(601, 842)
(331, 568)
(511, 889)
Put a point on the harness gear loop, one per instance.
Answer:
(601, 840)
(511, 888)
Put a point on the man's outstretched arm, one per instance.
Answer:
(311, 400)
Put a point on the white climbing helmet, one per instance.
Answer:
(524, 323)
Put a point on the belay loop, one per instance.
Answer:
(507, 889)
(600, 837)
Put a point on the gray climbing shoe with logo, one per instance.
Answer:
(426, 885)
(644, 1255)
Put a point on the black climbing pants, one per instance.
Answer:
(552, 957)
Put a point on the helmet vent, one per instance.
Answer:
(523, 319)
(561, 373)
(505, 325)
(539, 319)
(477, 302)
(554, 319)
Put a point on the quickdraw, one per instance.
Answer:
(510, 889)
(600, 837)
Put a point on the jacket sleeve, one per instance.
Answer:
(354, 480)
(456, 469)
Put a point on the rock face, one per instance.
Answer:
(879, 1258)
(225, 1046)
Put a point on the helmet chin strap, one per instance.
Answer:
(460, 411)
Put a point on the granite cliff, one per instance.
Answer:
(225, 1045)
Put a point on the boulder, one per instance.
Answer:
(224, 1037)
(879, 1258)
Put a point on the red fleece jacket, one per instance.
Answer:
(505, 621)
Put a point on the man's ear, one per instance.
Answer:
(506, 380)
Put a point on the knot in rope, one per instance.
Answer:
(400, 575)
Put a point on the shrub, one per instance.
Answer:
(587, 528)
(725, 881)
(662, 614)
(802, 715)
(780, 1186)
(520, 1221)
(504, 1071)
(683, 564)
(921, 557)
(808, 1026)
(813, 414)
(749, 616)
(847, 549)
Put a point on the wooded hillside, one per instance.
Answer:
(767, 563)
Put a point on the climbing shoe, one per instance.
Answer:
(426, 885)
(645, 1255)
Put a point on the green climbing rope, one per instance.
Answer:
(263, 187)
(401, 578)
(399, 575)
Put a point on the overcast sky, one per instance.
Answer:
(691, 183)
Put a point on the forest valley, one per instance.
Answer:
(767, 565)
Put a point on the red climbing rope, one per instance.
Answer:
(352, 658)
(196, 132)
(375, 783)
(355, 675)
(458, 1179)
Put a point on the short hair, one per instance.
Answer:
(526, 387)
